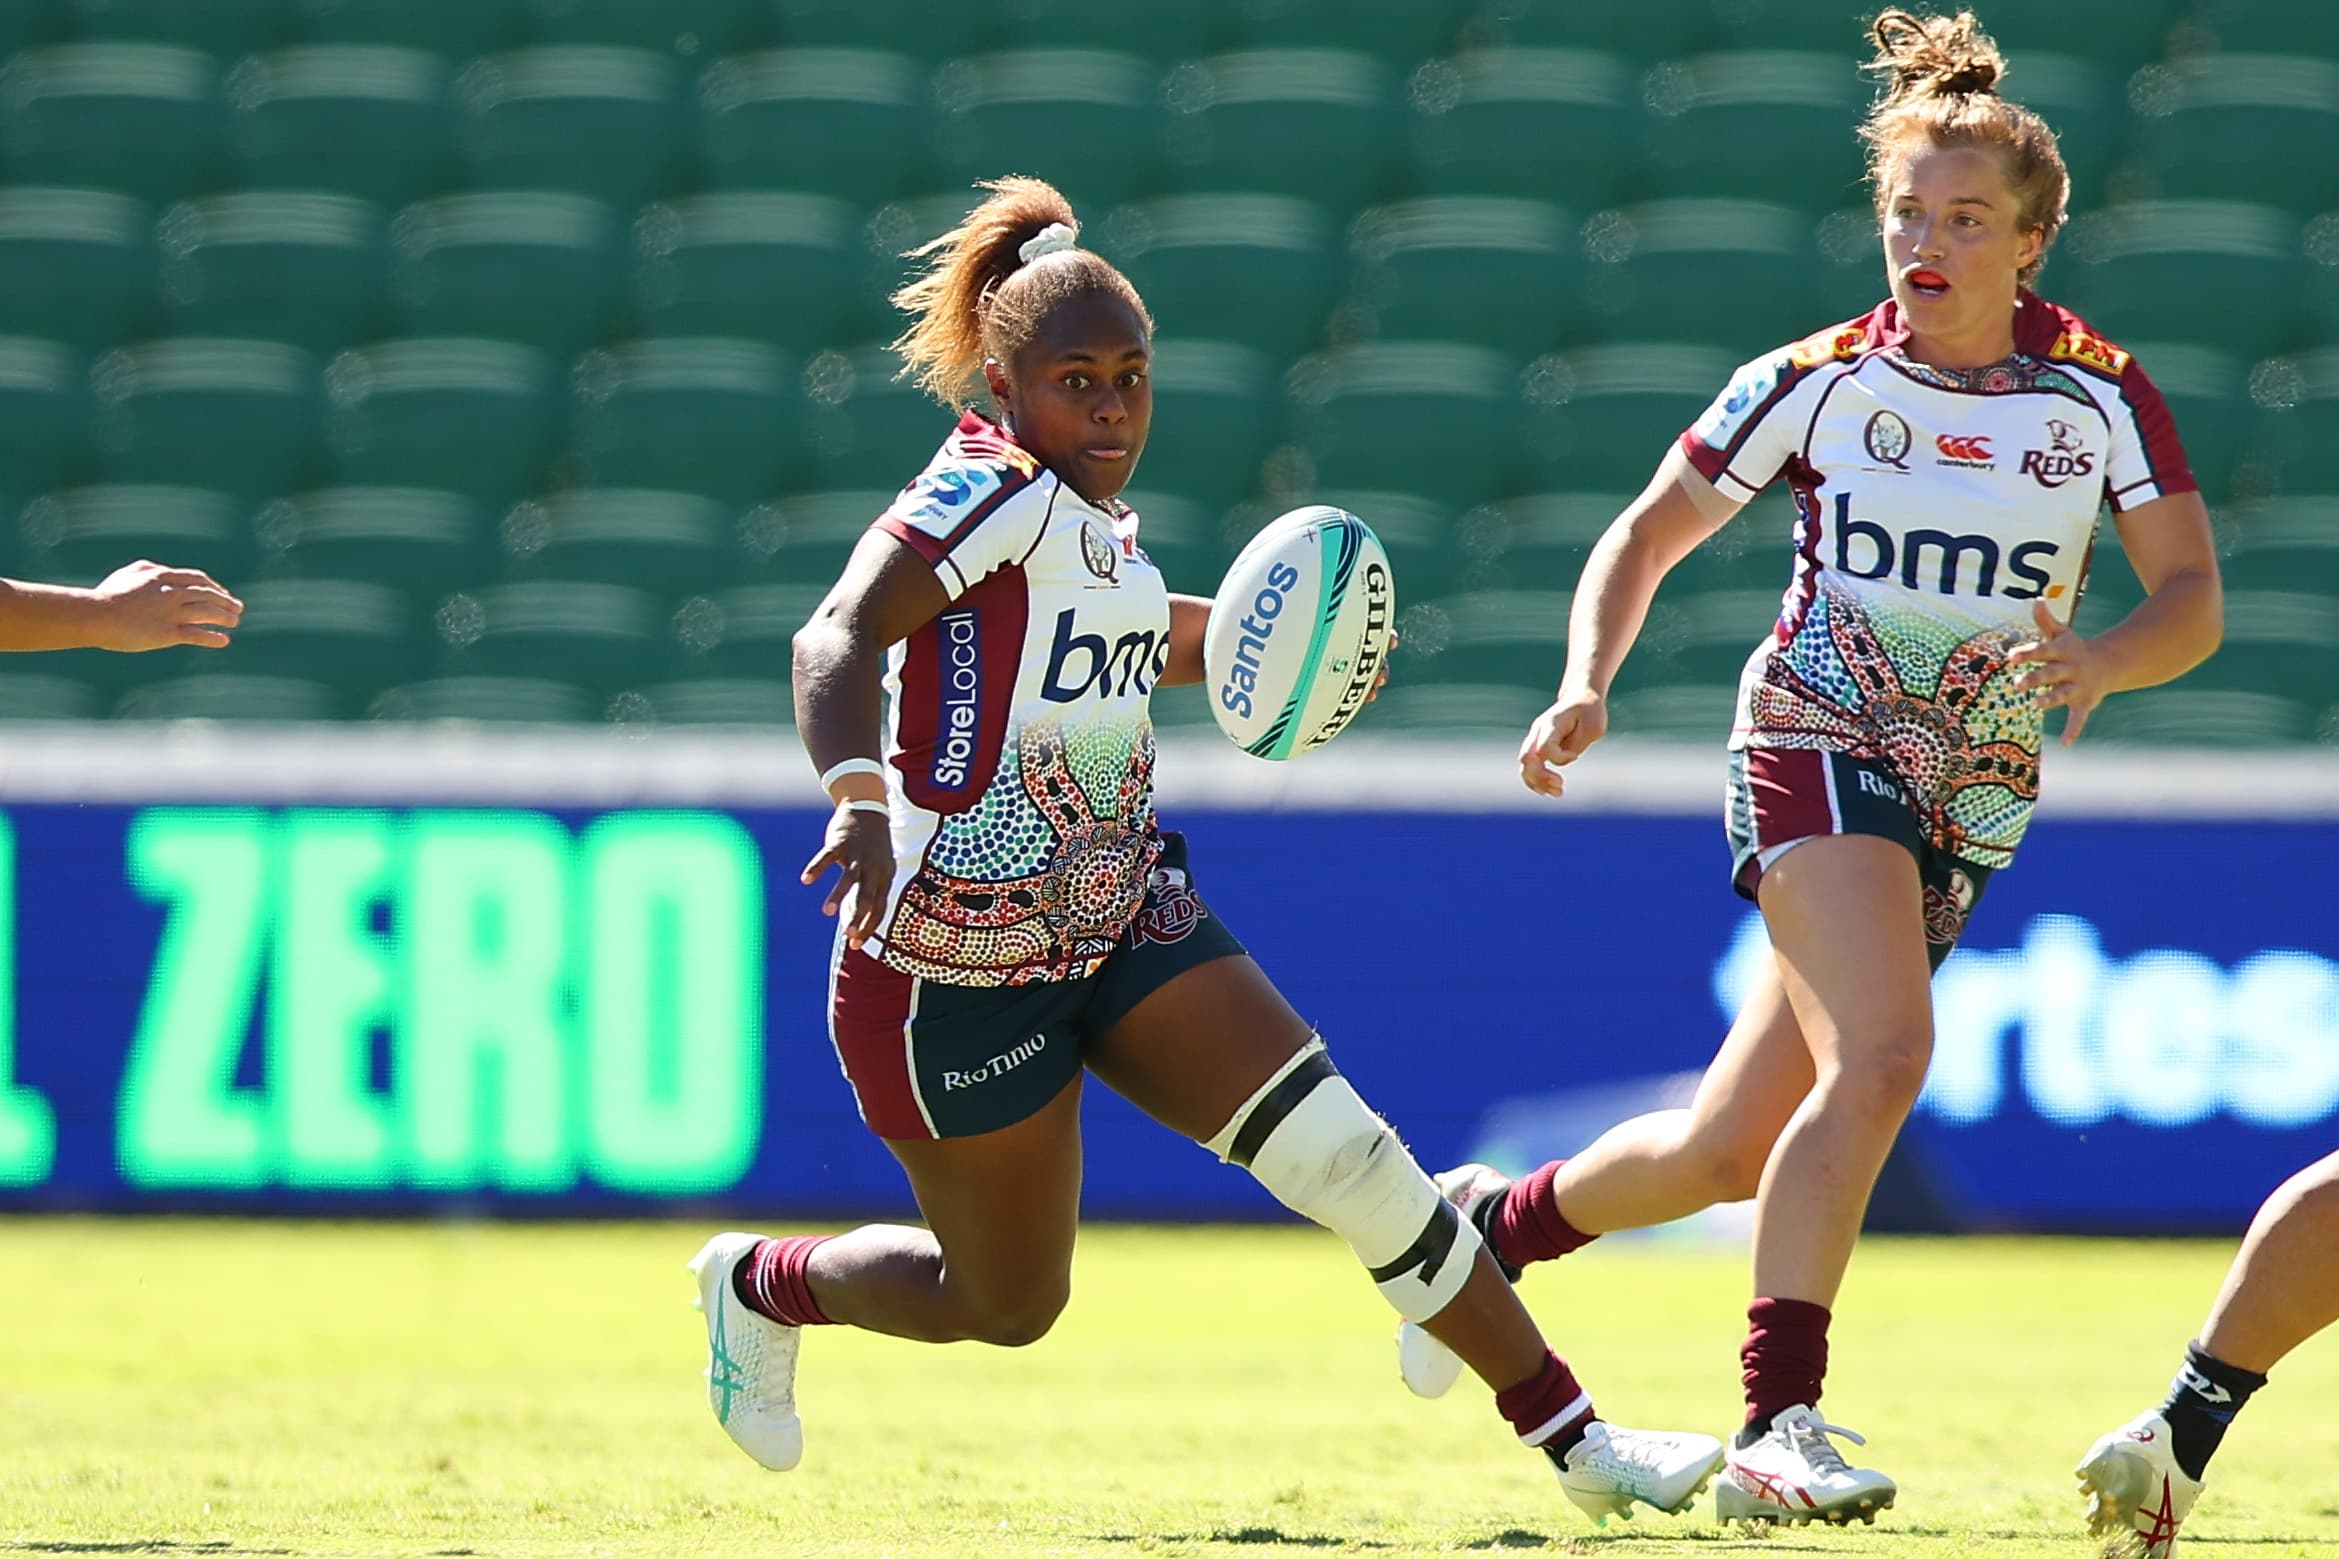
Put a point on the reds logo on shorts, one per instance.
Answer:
(1945, 912)
(1172, 910)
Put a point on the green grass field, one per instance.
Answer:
(233, 1388)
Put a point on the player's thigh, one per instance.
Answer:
(1844, 913)
(1196, 1047)
(1004, 1205)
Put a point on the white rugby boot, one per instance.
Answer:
(751, 1360)
(1428, 1367)
(1611, 1468)
(1794, 1473)
(2133, 1484)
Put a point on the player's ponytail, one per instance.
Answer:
(1939, 79)
(989, 282)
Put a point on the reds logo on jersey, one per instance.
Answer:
(2069, 457)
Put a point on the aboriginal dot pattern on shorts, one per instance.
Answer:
(1926, 694)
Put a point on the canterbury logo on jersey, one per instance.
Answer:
(1964, 448)
(1923, 558)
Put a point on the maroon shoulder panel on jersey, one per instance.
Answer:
(2051, 331)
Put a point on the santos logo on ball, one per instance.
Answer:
(1242, 678)
(962, 693)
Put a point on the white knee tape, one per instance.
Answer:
(1309, 1139)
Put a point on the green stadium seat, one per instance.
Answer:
(1632, 29)
(593, 121)
(234, 416)
(1679, 711)
(79, 536)
(487, 700)
(700, 29)
(1849, 278)
(671, 543)
(221, 695)
(789, 270)
(808, 537)
(308, 270)
(1821, 26)
(451, 29)
(1187, 541)
(871, 429)
(1495, 638)
(367, 120)
(1537, 541)
(1618, 408)
(1414, 703)
(140, 118)
(408, 538)
(40, 695)
(596, 636)
(2203, 717)
(2080, 98)
(719, 701)
(851, 123)
(1402, 416)
(1318, 124)
(76, 265)
(1216, 412)
(1156, 32)
(2208, 394)
(1493, 272)
(1656, 262)
(28, 24)
(2122, 34)
(1088, 122)
(694, 414)
(356, 636)
(2205, 128)
(44, 419)
(1180, 250)
(2283, 544)
(2297, 434)
(1757, 124)
(1706, 636)
(749, 630)
(223, 29)
(456, 414)
(1402, 35)
(1537, 124)
(541, 268)
(932, 32)
(2277, 641)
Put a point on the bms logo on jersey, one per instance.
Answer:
(1926, 559)
(1083, 663)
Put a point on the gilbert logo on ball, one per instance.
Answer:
(1298, 632)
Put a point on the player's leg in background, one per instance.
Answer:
(2282, 1288)
(1846, 917)
(1217, 1054)
(1669, 1164)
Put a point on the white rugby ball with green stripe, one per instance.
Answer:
(1298, 632)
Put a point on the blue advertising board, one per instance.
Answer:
(518, 1010)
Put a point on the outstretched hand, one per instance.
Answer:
(2061, 669)
(1558, 737)
(861, 843)
(146, 606)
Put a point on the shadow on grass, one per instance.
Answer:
(1263, 1537)
(151, 1545)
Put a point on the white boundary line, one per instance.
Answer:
(602, 766)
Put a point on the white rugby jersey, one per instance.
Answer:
(1018, 733)
(1932, 507)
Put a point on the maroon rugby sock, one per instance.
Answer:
(1549, 1410)
(772, 1280)
(1527, 1226)
(1785, 1354)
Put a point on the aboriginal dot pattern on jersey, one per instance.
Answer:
(1003, 835)
(2017, 373)
(1933, 700)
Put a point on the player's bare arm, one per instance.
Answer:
(142, 606)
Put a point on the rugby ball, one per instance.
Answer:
(1298, 632)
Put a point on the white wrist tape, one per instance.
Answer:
(866, 804)
(838, 771)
